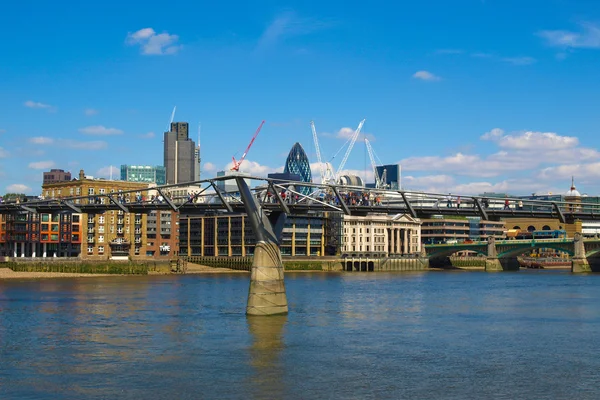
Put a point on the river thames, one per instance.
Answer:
(431, 335)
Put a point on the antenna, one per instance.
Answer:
(172, 118)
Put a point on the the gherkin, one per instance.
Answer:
(297, 163)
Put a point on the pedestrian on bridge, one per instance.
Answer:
(458, 202)
(449, 200)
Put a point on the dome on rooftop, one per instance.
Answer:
(573, 192)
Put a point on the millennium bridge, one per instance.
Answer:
(268, 203)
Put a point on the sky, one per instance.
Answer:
(469, 96)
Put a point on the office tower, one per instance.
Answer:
(179, 154)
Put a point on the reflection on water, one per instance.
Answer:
(450, 335)
(265, 353)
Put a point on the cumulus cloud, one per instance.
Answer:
(208, 167)
(582, 171)
(42, 164)
(346, 133)
(18, 188)
(90, 111)
(41, 140)
(100, 130)
(587, 37)
(35, 104)
(426, 76)
(255, 168)
(105, 172)
(531, 140)
(152, 43)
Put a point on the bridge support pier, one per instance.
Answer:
(494, 263)
(579, 262)
(266, 295)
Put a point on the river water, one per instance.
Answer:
(429, 335)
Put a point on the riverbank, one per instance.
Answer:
(7, 273)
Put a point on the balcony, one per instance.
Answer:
(91, 230)
(138, 221)
(90, 240)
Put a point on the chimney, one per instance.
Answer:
(81, 175)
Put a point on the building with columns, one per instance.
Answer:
(380, 235)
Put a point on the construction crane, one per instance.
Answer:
(379, 180)
(327, 175)
(236, 164)
(350, 146)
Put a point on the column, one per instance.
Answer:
(391, 246)
(44, 250)
(398, 241)
(33, 248)
(405, 244)
(308, 238)
(23, 249)
(294, 239)
(15, 250)
(579, 262)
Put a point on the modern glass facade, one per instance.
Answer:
(297, 163)
(144, 173)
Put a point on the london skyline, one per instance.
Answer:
(492, 96)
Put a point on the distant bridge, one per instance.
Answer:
(276, 196)
(502, 254)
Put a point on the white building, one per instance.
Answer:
(381, 235)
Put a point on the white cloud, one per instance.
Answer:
(41, 140)
(152, 43)
(75, 144)
(254, 168)
(531, 140)
(35, 104)
(100, 130)
(148, 135)
(347, 132)
(208, 167)
(3, 153)
(18, 188)
(105, 172)
(42, 164)
(589, 171)
(587, 37)
(90, 111)
(426, 76)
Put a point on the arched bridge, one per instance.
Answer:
(502, 254)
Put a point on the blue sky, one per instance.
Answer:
(469, 96)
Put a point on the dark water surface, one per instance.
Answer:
(433, 335)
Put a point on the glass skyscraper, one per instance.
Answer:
(297, 163)
(144, 173)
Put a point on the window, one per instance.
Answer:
(45, 217)
(76, 218)
(77, 190)
(54, 237)
(90, 191)
(102, 191)
(100, 249)
(101, 239)
(71, 191)
(90, 249)
(101, 229)
(101, 219)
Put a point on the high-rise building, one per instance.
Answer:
(392, 177)
(144, 173)
(297, 163)
(56, 175)
(180, 160)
